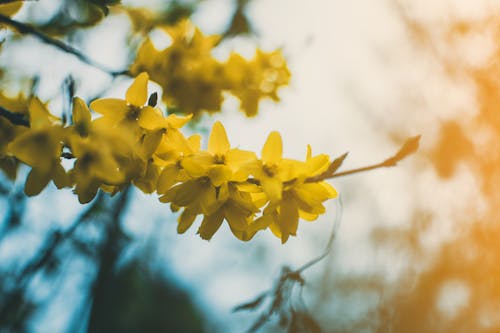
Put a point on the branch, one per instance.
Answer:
(14, 118)
(409, 147)
(27, 29)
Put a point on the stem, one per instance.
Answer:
(409, 147)
(27, 29)
(357, 170)
(14, 118)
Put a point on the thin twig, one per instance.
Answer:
(14, 118)
(409, 147)
(28, 29)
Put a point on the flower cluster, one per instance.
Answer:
(133, 142)
(194, 81)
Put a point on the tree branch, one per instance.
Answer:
(14, 118)
(409, 147)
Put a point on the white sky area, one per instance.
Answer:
(355, 78)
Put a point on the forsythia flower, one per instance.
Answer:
(194, 81)
(96, 163)
(134, 143)
(256, 79)
(40, 147)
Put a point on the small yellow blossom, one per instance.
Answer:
(40, 147)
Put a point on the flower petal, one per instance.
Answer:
(81, 113)
(272, 151)
(175, 121)
(218, 144)
(273, 188)
(37, 180)
(151, 118)
(186, 220)
(112, 108)
(219, 174)
(137, 93)
(210, 225)
(168, 177)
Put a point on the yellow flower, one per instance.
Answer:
(237, 209)
(272, 170)
(219, 163)
(256, 79)
(190, 76)
(171, 162)
(40, 147)
(103, 154)
(298, 199)
(126, 112)
(95, 165)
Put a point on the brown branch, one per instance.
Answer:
(14, 118)
(409, 147)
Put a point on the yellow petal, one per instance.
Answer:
(260, 224)
(242, 162)
(175, 121)
(288, 219)
(150, 142)
(273, 188)
(151, 118)
(210, 225)
(81, 116)
(275, 229)
(36, 182)
(236, 219)
(168, 177)
(86, 190)
(186, 193)
(197, 165)
(219, 174)
(194, 142)
(147, 183)
(37, 148)
(60, 177)
(307, 216)
(40, 117)
(81, 113)
(317, 164)
(218, 144)
(112, 108)
(331, 191)
(186, 220)
(209, 201)
(137, 93)
(272, 151)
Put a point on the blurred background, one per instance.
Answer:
(416, 247)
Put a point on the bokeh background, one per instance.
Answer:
(416, 247)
